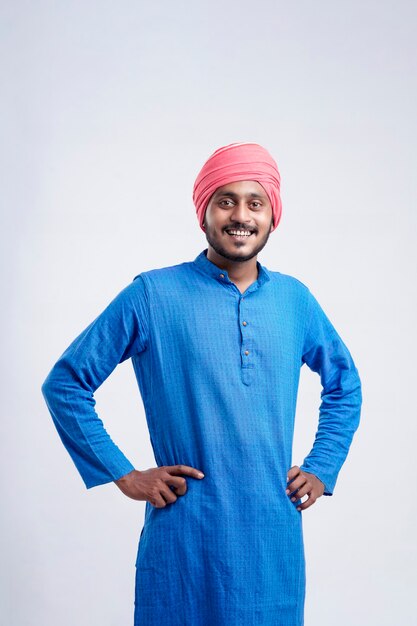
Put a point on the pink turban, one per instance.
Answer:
(235, 162)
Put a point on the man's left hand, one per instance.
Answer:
(303, 483)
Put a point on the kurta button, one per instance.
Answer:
(246, 351)
(221, 275)
(244, 323)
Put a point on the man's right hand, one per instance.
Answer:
(154, 484)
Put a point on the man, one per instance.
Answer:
(217, 345)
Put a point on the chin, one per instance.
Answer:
(235, 253)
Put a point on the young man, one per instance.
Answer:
(217, 345)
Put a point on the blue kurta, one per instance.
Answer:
(218, 372)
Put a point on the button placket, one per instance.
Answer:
(247, 368)
(246, 351)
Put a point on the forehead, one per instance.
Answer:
(242, 187)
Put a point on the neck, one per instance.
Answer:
(238, 271)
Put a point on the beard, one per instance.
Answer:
(237, 256)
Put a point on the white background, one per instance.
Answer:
(108, 111)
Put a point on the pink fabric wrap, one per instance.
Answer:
(235, 162)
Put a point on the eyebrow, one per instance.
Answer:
(233, 195)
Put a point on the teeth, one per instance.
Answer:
(241, 233)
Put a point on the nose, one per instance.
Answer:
(240, 213)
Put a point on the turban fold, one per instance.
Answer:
(236, 162)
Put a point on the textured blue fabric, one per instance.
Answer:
(218, 372)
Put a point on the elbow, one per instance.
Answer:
(358, 389)
(57, 378)
(49, 387)
(353, 385)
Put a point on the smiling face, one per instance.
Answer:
(241, 206)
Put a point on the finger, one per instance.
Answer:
(160, 494)
(292, 472)
(185, 469)
(305, 488)
(295, 484)
(157, 500)
(302, 491)
(178, 483)
(167, 494)
(307, 503)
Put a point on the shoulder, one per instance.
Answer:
(163, 277)
(287, 279)
(290, 284)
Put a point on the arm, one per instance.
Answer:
(341, 397)
(118, 333)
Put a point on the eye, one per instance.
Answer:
(256, 204)
(222, 202)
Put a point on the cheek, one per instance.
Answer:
(265, 223)
(214, 218)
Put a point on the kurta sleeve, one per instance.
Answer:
(118, 333)
(341, 396)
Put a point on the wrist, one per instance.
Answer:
(125, 479)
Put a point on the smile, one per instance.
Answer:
(239, 234)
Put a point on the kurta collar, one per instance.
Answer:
(209, 268)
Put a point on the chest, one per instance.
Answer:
(220, 327)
